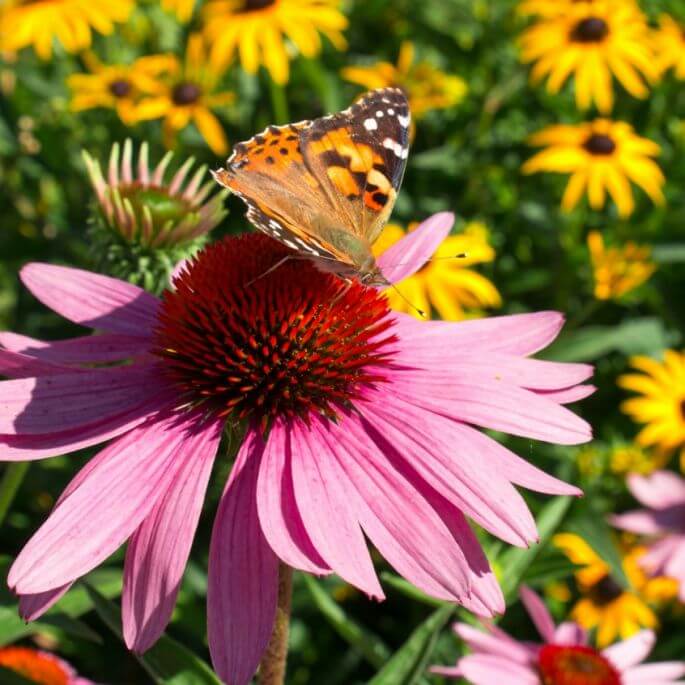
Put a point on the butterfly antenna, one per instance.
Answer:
(420, 312)
(279, 263)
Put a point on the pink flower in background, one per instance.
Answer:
(663, 519)
(564, 658)
(359, 423)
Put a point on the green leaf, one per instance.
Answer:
(408, 664)
(168, 662)
(8, 677)
(669, 254)
(514, 562)
(370, 645)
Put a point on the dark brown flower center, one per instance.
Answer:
(575, 665)
(255, 5)
(590, 30)
(605, 591)
(186, 93)
(120, 88)
(599, 144)
(682, 409)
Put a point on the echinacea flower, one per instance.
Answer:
(445, 283)
(40, 667)
(605, 604)
(188, 93)
(618, 271)
(27, 22)
(592, 41)
(669, 43)
(662, 521)
(256, 30)
(144, 223)
(426, 86)
(117, 86)
(661, 401)
(601, 156)
(358, 422)
(563, 658)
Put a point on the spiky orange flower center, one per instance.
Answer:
(34, 666)
(247, 336)
(575, 665)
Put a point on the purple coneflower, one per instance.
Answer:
(564, 658)
(359, 422)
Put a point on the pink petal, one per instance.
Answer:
(484, 669)
(57, 404)
(34, 606)
(158, 551)
(325, 511)
(518, 334)
(632, 651)
(279, 515)
(446, 671)
(243, 574)
(661, 673)
(641, 521)
(105, 509)
(498, 645)
(409, 254)
(569, 395)
(91, 299)
(17, 365)
(569, 633)
(658, 490)
(539, 613)
(399, 521)
(88, 349)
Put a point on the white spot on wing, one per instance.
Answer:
(404, 121)
(370, 124)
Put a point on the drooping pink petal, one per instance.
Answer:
(158, 551)
(409, 254)
(105, 509)
(35, 605)
(425, 553)
(658, 490)
(517, 334)
(641, 521)
(325, 511)
(499, 644)
(91, 299)
(243, 574)
(631, 651)
(570, 633)
(56, 404)
(538, 612)
(279, 515)
(569, 395)
(662, 673)
(487, 669)
(88, 349)
(17, 365)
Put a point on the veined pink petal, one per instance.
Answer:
(632, 651)
(243, 574)
(425, 553)
(517, 334)
(325, 511)
(56, 404)
(158, 551)
(663, 673)
(409, 254)
(658, 490)
(17, 365)
(279, 516)
(500, 644)
(34, 606)
(88, 349)
(91, 299)
(487, 669)
(570, 633)
(105, 509)
(539, 613)
(569, 395)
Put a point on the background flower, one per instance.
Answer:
(670, 45)
(39, 667)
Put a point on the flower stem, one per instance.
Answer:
(11, 481)
(272, 665)
(279, 103)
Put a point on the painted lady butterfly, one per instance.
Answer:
(325, 188)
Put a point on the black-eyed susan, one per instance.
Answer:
(427, 87)
(71, 22)
(183, 9)
(601, 156)
(618, 270)
(256, 30)
(445, 284)
(661, 402)
(605, 605)
(592, 40)
(117, 86)
(188, 92)
(669, 43)
(550, 8)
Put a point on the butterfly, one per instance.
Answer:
(326, 187)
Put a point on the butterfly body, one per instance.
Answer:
(325, 188)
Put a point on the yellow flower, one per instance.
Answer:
(618, 270)
(189, 92)
(426, 86)
(661, 404)
(445, 284)
(550, 8)
(592, 40)
(614, 611)
(117, 86)
(631, 458)
(183, 9)
(601, 156)
(31, 22)
(669, 42)
(256, 30)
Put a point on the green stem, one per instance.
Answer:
(585, 313)
(273, 663)
(11, 481)
(279, 103)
